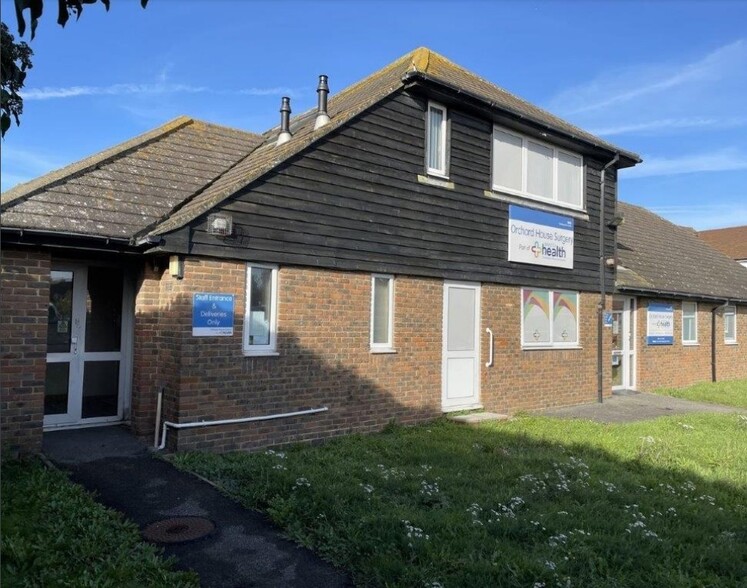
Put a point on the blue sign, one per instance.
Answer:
(212, 315)
(608, 319)
(540, 238)
(660, 324)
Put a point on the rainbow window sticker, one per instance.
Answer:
(565, 317)
(536, 317)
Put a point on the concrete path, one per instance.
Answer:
(245, 549)
(636, 406)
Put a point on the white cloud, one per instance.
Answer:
(655, 126)
(641, 81)
(162, 87)
(657, 98)
(728, 159)
(704, 216)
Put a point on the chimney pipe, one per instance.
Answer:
(285, 111)
(322, 118)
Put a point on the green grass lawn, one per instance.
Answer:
(534, 502)
(732, 393)
(55, 534)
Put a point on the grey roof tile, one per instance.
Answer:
(659, 256)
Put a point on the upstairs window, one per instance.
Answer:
(436, 140)
(260, 320)
(527, 167)
(689, 323)
(382, 312)
(730, 324)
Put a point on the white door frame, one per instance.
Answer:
(474, 401)
(627, 354)
(77, 356)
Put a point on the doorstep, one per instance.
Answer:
(475, 418)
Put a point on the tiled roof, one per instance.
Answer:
(731, 241)
(163, 180)
(121, 191)
(659, 256)
(355, 99)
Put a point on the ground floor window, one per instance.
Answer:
(382, 312)
(260, 316)
(549, 318)
(689, 323)
(730, 324)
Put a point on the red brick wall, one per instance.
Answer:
(24, 301)
(529, 379)
(678, 365)
(324, 358)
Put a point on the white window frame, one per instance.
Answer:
(271, 348)
(523, 193)
(551, 344)
(441, 171)
(694, 312)
(730, 310)
(389, 344)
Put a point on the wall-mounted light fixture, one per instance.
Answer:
(176, 267)
(616, 221)
(220, 224)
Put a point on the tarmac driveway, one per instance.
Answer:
(245, 549)
(634, 406)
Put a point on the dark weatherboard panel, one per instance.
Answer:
(353, 201)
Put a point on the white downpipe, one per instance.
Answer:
(159, 404)
(200, 424)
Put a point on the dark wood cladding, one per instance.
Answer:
(354, 202)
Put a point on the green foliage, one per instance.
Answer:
(731, 393)
(55, 534)
(65, 8)
(531, 502)
(16, 60)
(16, 56)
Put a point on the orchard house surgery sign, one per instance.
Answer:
(660, 324)
(212, 315)
(539, 238)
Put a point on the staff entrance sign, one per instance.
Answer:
(212, 315)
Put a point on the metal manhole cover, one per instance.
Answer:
(178, 529)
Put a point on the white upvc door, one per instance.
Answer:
(87, 331)
(461, 346)
(623, 343)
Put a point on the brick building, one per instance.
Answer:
(680, 313)
(731, 241)
(422, 242)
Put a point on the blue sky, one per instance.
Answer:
(665, 79)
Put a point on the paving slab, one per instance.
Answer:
(245, 550)
(634, 406)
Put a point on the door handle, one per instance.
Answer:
(490, 349)
(74, 344)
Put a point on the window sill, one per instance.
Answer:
(261, 353)
(438, 181)
(686, 344)
(538, 204)
(730, 343)
(549, 348)
(383, 351)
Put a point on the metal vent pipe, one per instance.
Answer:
(322, 90)
(285, 112)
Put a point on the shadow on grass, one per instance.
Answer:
(535, 502)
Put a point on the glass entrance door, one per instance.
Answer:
(623, 344)
(84, 345)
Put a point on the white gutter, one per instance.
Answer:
(200, 424)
